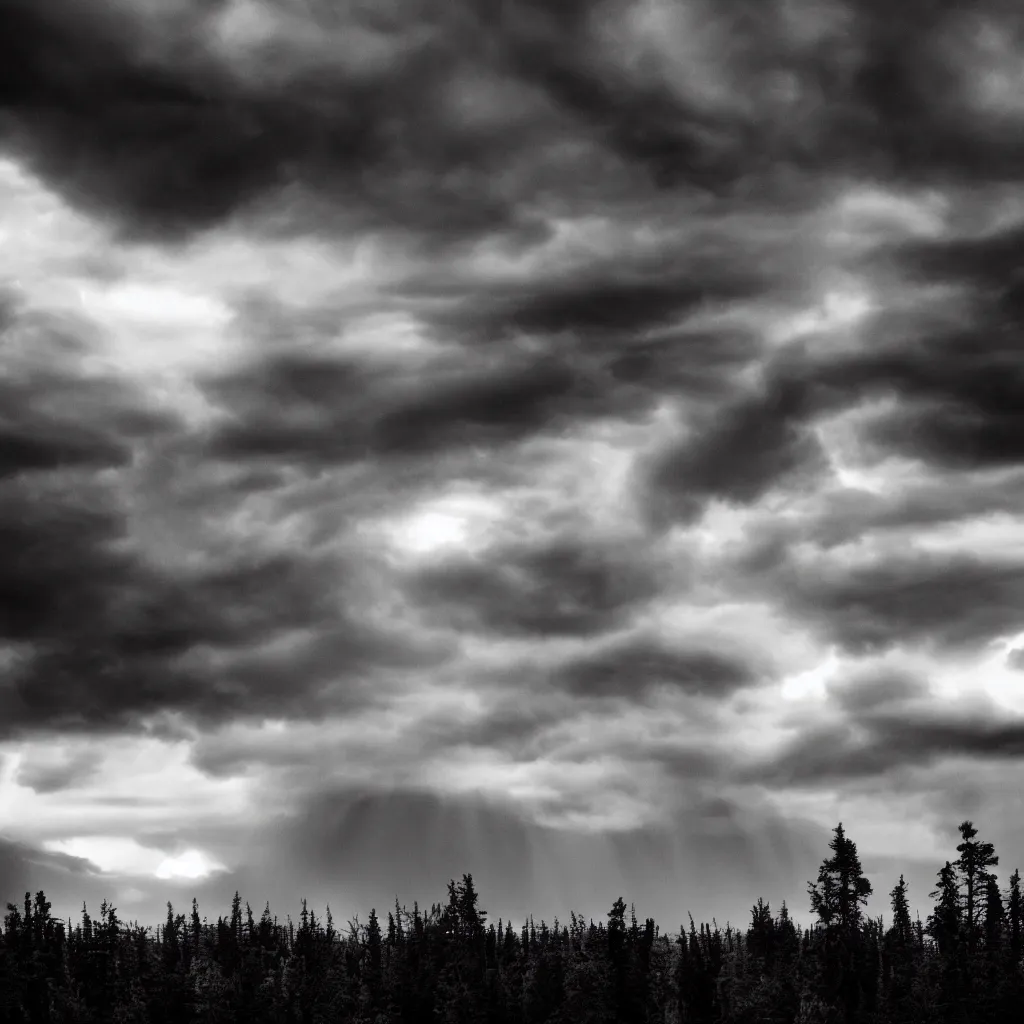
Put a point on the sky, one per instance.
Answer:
(578, 444)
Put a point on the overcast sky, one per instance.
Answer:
(576, 443)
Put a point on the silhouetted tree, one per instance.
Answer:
(373, 974)
(841, 888)
(995, 915)
(975, 857)
(1015, 911)
(898, 953)
(761, 937)
(944, 923)
(837, 899)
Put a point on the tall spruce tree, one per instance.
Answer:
(761, 936)
(842, 888)
(373, 974)
(944, 923)
(975, 858)
(837, 899)
(901, 925)
(898, 951)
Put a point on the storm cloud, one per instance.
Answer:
(584, 427)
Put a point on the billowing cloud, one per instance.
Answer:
(943, 600)
(832, 754)
(632, 667)
(53, 770)
(566, 588)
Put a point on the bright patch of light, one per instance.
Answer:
(867, 215)
(999, 679)
(834, 438)
(857, 479)
(812, 683)
(139, 783)
(154, 303)
(122, 856)
(838, 309)
(998, 537)
(119, 855)
(452, 523)
(721, 528)
(190, 864)
(113, 854)
(429, 531)
(41, 239)
(160, 332)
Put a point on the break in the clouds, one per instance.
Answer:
(546, 440)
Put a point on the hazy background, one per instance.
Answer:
(576, 443)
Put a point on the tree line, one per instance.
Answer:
(447, 964)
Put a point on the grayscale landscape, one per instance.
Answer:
(572, 446)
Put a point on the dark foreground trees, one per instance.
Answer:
(450, 964)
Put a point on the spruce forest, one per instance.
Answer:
(449, 964)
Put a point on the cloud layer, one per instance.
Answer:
(582, 413)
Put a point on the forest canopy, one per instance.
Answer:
(450, 963)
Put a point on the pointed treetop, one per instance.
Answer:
(841, 888)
